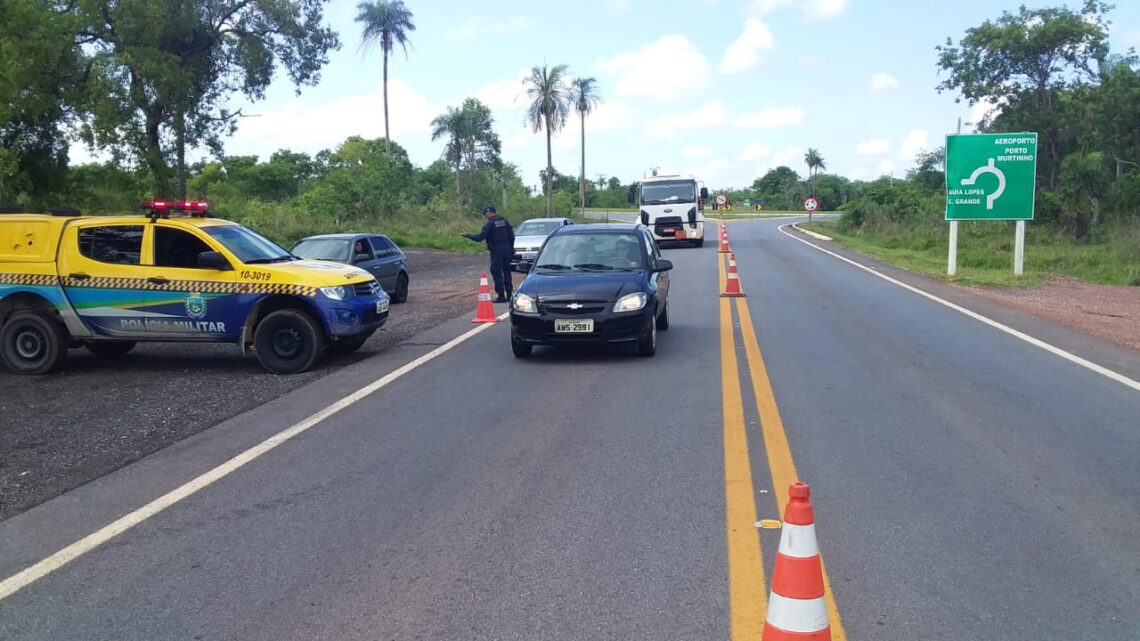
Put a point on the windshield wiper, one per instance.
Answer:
(594, 266)
(262, 261)
(553, 266)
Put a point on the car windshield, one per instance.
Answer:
(665, 192)
(591, 252)
(249, 246)
(322, 249)
(537, 228)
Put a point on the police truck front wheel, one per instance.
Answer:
(32, 342)
(287, 341)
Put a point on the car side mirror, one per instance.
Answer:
(704, 193)
(663, 265)
(632, 196)
(526, 266)
(213, 260)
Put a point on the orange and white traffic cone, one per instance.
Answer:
(796, 607)
(724, 249)
(484, 310)
(732, 279)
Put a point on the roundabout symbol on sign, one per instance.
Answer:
(811, 204)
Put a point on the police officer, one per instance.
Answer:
(500, 239)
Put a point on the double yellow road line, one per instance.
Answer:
(747, 589)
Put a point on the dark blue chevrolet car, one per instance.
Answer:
(593, 284)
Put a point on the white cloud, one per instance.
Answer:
(666, 70)
(770, 118)
(744, 52)
(812, 10)
(886, 167)
(873, 147)
(619, 6)
(859, 173)
(981, 110)
(915, 141)
(883, 81)
(500, 94)
(753, 152)
(325, 125)
(710, 114)
(696, 151)
(608, 116)
(478, 28)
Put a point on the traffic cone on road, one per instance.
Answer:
(484, 310)
(796, 607)
(732, 280)
(724, 249)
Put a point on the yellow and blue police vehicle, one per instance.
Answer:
(108, 282)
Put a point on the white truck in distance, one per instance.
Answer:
(672, 207)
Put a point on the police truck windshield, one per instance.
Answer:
(249, 246)
(666, 192)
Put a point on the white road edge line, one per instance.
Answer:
(810, 232)
(17, 582)
(1036, 342)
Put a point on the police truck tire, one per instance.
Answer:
(109, 349)
(521, 349)
(32, 342)
(287, 341)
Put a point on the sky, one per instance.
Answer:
(721, 90)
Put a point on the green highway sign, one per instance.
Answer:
(991, 176)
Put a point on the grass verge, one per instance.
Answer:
(985, 253)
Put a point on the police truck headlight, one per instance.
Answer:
(631, 302)
(524, 304)
(340, 292)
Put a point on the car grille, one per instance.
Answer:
(563, 307)
(367, 288)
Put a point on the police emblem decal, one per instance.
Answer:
(195, 306)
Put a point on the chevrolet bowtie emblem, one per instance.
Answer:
(575, 306)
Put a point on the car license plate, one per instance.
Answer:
(573, 325)
(381, 306)
(668, 231)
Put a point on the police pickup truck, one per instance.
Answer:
(108, 282)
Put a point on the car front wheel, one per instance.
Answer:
(647, 346)
(287, 341)
(521, 349)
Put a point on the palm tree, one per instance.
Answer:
(550, 106)
(387, 22)
(586, 99)
(814, 163)
(450, 124)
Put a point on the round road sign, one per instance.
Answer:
(811, 204)
(721, 199)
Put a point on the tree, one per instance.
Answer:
(42, 68)
(549, 107)
(161, 71)
(1023, 61)
(1084, 182)
(930, 170)
(586, 99)
(388, 23)
(472, 143)
(814, 163)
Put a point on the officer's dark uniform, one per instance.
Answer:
(500, 239)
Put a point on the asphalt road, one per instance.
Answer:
(967, 485)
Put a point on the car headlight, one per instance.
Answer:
(340, 292)
(525, 304)
(631, 302)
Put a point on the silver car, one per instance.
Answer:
(375, 253)
(530, 235)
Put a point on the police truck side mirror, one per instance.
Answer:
(632, 196)
(213, 260)
(704, 193)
